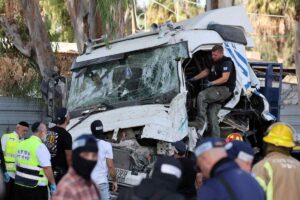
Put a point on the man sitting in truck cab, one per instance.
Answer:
(220, 86)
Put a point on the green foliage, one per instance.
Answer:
(109, 11)
(19, 75)
(1, 6)
(160, 14)
(57, 20)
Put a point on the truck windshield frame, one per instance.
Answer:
(140, 76)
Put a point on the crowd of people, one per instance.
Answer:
(48, 164)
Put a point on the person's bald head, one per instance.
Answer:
(208, 153)
(22, 128)
(208, 160)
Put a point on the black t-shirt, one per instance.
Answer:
(224, 65)
(59, 140)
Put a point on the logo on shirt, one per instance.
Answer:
(52, 142)
(225, 68)
(23, 154)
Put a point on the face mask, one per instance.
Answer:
(83, 167)
(99, 136)
(44, 137)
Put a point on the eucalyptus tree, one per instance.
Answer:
(297, 43)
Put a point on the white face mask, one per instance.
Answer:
(44, 138)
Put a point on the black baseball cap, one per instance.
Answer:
(61, 115)
(180, 147)
(97, 128)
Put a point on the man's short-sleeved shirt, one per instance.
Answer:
(59, 140)
(100, 172)
(222, 66)
(43, 156)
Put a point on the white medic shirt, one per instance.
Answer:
(44, 158)
(100, 172)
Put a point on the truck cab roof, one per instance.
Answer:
(200, 32)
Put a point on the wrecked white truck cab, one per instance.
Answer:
(136, 86)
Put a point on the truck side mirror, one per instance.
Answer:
(54, 92)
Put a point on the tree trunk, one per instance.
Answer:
(39, 36)
(85, 20)
(94, 21)
(11, 8)
(211, 5)
(215, 4)
(297, 46)
(78, 10)
(11, 30)
(120, 20)
(133, 17)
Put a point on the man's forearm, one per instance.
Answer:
(219, 81)
(69, 157)
(202, 75)
(113, 174)
(222, 80)
(49, 174)
(111, 169)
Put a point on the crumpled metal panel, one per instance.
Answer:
(176, 127)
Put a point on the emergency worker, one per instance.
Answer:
(161, 186)
(34, 171)
(9, 143)
(242, 153)
(225, 180)
(187, 183)
(234, 136)
(220, 86)
(279, 173)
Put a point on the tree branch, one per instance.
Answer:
(11, 31)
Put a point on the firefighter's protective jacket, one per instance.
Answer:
(279, 175)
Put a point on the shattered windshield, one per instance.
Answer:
(140, 75)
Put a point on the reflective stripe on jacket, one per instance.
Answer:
(278, 174)
(10, 151)
(29, 173)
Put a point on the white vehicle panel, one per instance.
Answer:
(232, 16)
(163, 123)
(125, 46)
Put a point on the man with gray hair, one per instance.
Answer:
(9, 143)
(225, 180)
(33, 167)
